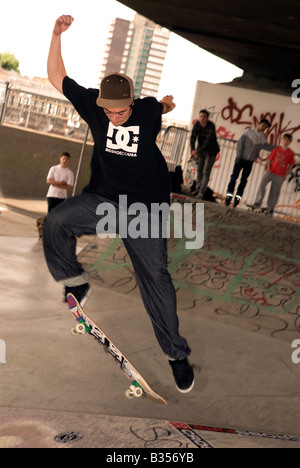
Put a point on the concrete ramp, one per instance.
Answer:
(239, 307)
(50, 429)
(247, 274)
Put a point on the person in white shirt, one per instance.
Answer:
(61, 179)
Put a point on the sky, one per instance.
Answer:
(26, 28)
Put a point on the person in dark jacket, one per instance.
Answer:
(204, 148)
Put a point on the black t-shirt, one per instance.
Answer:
(126, 159)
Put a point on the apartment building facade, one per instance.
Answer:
(138, 49)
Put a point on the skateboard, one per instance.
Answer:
(139, 387)
(263, 211)
(182, 198)
(189, 181)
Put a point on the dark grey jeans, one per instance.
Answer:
(205, 166)
(77, 217)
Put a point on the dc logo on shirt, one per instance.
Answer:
(123, 141)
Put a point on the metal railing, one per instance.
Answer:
(288, 205)
(41, 113)
(172, 142)
(36, 128)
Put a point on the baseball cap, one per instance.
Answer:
(116, 90)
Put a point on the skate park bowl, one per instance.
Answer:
(238, 306)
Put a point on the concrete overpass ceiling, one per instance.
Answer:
(260, 36)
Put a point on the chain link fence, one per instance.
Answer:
(35, 129)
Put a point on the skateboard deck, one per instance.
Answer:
(182, 198)
(252, 208)
(139, 387)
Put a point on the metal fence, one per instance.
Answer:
(288, 206)
(42, 113)
(36, 129)
(172, 142)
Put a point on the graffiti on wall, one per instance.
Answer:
(246, 116)
(295, 177)
(235, 113)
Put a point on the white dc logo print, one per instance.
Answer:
(123, 138)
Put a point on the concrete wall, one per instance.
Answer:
(235, 109)
(26, 157)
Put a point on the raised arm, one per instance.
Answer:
(168, 104)
(55, 65)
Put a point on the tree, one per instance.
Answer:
(9, 61)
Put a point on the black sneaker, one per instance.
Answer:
(82, 293)
(183, 374)
(228, 200)
(237, 201)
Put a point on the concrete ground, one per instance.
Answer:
(238, 304)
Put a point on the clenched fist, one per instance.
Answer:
(62, 24)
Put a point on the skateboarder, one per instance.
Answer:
(204, 137)
(126, 161)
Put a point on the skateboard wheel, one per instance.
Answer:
(73, 331)
(129, 394)
(138, 392)
(80, 329)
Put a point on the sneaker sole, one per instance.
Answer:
(186, 390)
(86, 297)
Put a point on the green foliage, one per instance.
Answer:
(9, 61)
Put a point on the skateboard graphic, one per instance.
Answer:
(139, 387)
